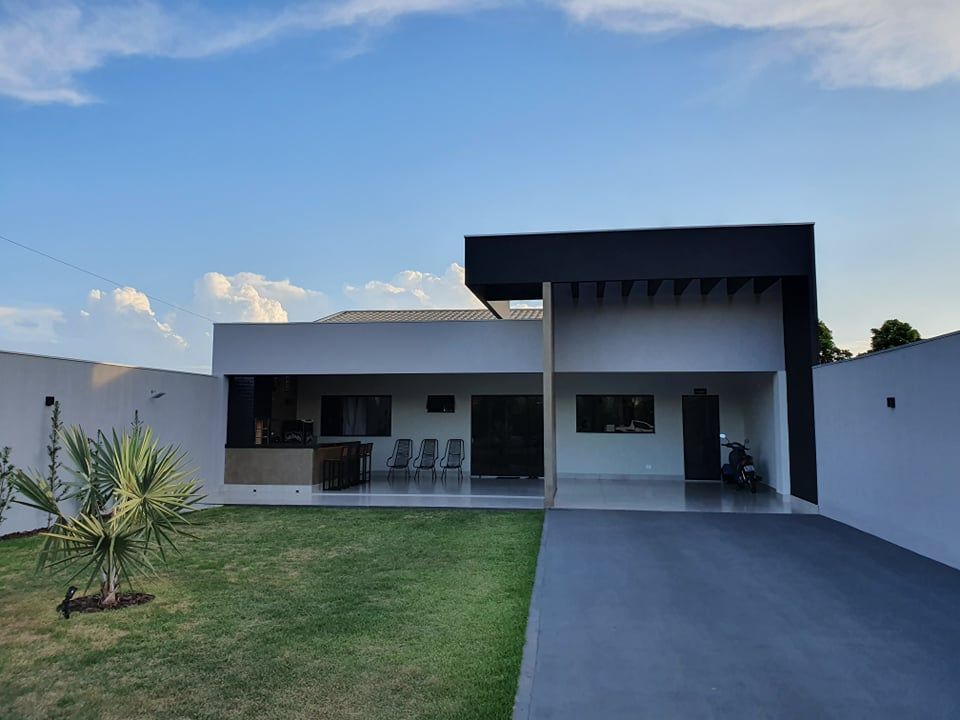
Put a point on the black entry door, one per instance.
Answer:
(701, 437)
(507, 435)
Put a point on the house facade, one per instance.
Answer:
(649, 344)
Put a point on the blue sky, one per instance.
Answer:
(269, 162)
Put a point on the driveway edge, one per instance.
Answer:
(531, 646)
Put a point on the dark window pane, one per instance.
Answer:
(331, 415)
(440, 403)
(355, 415)
(240, 411)
(615, 413)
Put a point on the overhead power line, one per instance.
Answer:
(70, 265)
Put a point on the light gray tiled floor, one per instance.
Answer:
(672, 494)
(594, 493)
(400, 491)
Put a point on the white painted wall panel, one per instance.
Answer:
(659, 454)
(410, 418)
(765, 424)
(894, 472)
(100, 396)
(667, 334)
(495, 346)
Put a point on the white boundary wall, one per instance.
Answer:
(894, 472)
(102, 396)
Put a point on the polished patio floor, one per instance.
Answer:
(582, 493)
(672, 494)
(471, 492)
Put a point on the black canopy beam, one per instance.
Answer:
(681, 284)
(708, 284)
(762, 284)
(736, 283)
(601, 286)
(625, 287)
(653, 286)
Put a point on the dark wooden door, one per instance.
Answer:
(506, 435)
(701, 437)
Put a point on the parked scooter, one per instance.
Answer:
(739, 467)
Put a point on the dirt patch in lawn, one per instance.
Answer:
(91, 603)
(21, 534)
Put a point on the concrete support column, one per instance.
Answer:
(781, 422)
(549, 402)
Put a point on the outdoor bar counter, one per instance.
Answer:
(280, 464)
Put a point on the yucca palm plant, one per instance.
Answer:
(132, 497)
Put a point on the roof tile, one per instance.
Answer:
(381, 316)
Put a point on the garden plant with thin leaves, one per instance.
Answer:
(7, 473)
(132, 498)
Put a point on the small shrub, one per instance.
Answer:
(133, 497)
(7, 473)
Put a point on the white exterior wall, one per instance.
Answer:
(893, 472)
(479, 346)
(100, 396)
(692, 333)
(745, 411)
(765, 424)
(410, 418)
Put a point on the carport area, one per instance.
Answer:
(711, 615)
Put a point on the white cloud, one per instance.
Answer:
(249, 297)
(122, 325)
(904, 44)
(129, 305)
(415, 289)
(46, 46)
(29, 324)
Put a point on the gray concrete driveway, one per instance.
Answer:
(701, 615)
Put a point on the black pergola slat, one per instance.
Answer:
(734, 284)
(708, 284)
(762, 284)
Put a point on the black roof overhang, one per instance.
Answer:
(514, 267)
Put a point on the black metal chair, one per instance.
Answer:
(400, 460)
(452, 460)
(427, 459)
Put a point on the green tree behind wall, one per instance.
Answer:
(892, 333)
(829, 352)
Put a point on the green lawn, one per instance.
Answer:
(287, 613)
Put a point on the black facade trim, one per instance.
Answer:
(513, 267)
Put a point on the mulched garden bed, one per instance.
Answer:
(21, 534)
(91, 603)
